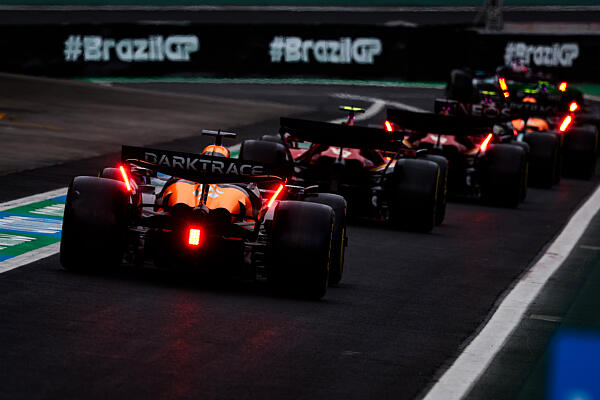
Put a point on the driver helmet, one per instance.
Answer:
(216, 151)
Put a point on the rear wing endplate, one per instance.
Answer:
(201, 168)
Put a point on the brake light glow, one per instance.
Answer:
(484, 145)
(563, 86)
(573, 106)
(565, 123)
(503, 85)
(125, 178)
(506, 95)
(279, 189)
(194, 237)
(388, 126)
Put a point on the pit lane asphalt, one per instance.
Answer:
(406, 304)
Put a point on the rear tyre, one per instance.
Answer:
(543, 158)
(301, 248)
(526, 167)
(414, 194)
(94, 224)
(580, 152)
(339, 241)
(503, 170)
(442, 189)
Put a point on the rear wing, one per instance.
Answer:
(326, 133)
(457, 125)
(499, 113)
(201, 168)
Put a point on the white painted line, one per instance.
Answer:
(33, 199)
(586, 247)
(400, 22)
(396, 104)
(29, 257)
(370, 112)
(38, 254)
(546, 318)
(456, 382)
(591, 97)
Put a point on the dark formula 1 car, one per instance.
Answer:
(550, 139)
(494, 172)
(213, 214)
(372, 168)
(513, 83)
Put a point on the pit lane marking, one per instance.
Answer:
(586, 247)
(396, 104)
(18, 229)
(459, 378)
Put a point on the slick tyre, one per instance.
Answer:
(300, 248)
(580, 152)
(94, 224)
(442, 189)
(272, 138)
(340, 240)
(460, 85)
(526, 166)
(111, 173)
(543, 158)
(502, 180)
(264, 151)
(414, 194)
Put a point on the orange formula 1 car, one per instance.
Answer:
(213, 214)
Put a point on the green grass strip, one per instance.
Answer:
(587, 88)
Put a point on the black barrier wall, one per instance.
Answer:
(356, 52)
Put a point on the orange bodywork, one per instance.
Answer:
(214, 149)
(229, 197)
(539, 124)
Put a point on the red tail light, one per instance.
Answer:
(194, 237)
(503, 85)
(565, 123)
(279, 189)
(388, 126)
(506, 95)
(573, 106)
(563, 86)
(125, 178)
(484, 145)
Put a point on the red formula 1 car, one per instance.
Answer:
(370, 167)
(213, 214)
(551, 139)
(496, 173)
